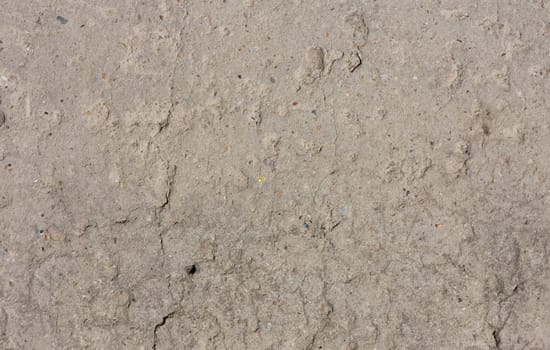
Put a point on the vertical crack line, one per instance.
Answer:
(179, 52)
(159, 325)
(496, 332)
(161, 239)
(170, 179)
(496, 337)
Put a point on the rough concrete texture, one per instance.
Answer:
(258, 174)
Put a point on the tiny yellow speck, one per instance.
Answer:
(261, 179)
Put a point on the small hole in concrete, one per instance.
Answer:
(191, 269)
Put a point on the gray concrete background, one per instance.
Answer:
(182, 174)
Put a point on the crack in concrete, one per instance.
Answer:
(170, 185)
(179, 51)
(321, 329)
(496, 332)
(159, 325)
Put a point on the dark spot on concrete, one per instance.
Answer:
(485, 128)
(62, 20)
(191, 269)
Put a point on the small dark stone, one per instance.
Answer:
(2, 118)
(62, 20)
(191, 269)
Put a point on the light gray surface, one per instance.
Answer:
(274, 174)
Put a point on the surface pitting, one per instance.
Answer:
(182, 174)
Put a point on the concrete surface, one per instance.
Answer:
(261, 174)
